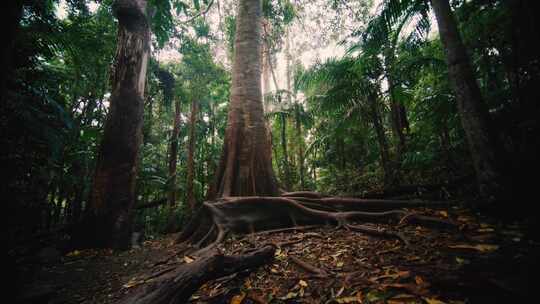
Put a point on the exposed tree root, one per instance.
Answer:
(243, 215)
(178, 286)
(294, 211)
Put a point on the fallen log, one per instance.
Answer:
(178, 286)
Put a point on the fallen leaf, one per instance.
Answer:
(462, 218)
(433, 301)
(188, 259)
(485, 230)
(290, 295)
(302, 283)
(360, 296)
(336, 255)
(443, 213)
(479, 247)
(73, 253)
(375, 295)
(237, 299)
(347, 300)
(415, 289)
(402, 298)
(256, 298)
(340, 291)
(132, 283)
(399, 274)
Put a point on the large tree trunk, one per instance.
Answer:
(191, 152)
(173, 156)
(246, 163)
(473, 112)
(108, 220)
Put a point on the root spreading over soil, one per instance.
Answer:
(215, 221)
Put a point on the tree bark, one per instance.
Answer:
(298, 124)
(108, 220)
(398, 121)
(381, 139)
(179, 285)
(300, 147)
(286, 168)
(191, 152)
(473, 112)
(265, 59)
(173, 155)
(398, 115)
(246, 162)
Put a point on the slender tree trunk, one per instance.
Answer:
(246, 163)
(74, 214)
(288, 68)
(300, 140)
(286, 168)
(473, 112)
(173, 155)
(397, 109)
(283, 130)
(191, 152)
(444, 136)
(398, 121)
(211, 162)
(381, 139)
(108, 220)
(292, 96)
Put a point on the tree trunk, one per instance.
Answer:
(246, 162)
(300, 147)
(108, 220)
(397, 110)
(191, 152)
(398, 121)
(265, 59)
(173, 155)
(473, 112)
(286, 169)
(381, 139)
(11, 14)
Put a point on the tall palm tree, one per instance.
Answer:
(471, 107)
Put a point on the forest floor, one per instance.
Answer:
(485, 262)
